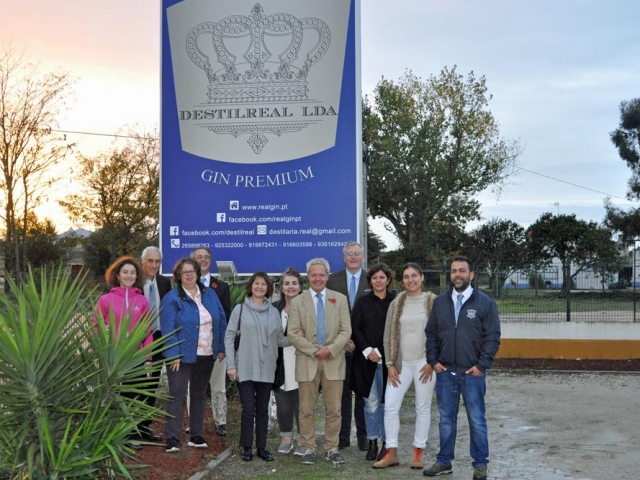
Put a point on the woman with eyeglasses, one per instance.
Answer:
(194, 320)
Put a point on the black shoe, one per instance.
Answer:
(134, 442)
(172, 445)
(151, 437)
(265, 454)
(247, 454)
(221, 430)
(343, 443)
(363, 443)
(197, 442)
(382, 450)
(372, 454)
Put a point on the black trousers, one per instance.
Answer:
(155, 378)
(358, 409)
(254, 397)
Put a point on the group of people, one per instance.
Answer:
(347, 334)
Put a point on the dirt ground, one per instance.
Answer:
(542, 425)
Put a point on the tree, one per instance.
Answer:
(498, 246)
(30, 102)
(626, 139)
(375, 246)
(120, 194)
(574, 242)
(41, 243)
(434, 145)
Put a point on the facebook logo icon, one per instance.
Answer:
(221, 217)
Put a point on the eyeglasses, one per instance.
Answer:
(353, 254)
(203, 257)
(187, 272)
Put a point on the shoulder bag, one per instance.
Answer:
(236, 341)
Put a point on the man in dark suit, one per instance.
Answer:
(155, 287)
(323, 316)
(203, 256)
(352, 283)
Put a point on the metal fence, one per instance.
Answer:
(585, 301)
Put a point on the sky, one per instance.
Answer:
(557, 72)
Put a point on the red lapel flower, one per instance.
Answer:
(332, 300)
(214, 285)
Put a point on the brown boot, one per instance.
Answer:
(416, 462)
(390, 459)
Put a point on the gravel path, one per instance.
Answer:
(542, 425)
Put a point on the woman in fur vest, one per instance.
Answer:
(406, 361)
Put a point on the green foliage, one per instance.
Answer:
(434, 145)
(121, 195)
(498, 247)
(237, 293)
(536, 281)
(64, 412)
(375, 245)
(621, 284)
(626, 139)
(578, 243)
(101, 248)
(39, 247)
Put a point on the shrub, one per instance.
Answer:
(536, 278)
(620, 284)
(64, 412)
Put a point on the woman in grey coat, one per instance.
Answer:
(254, 364)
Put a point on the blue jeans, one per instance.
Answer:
(374, 408)
(448, 390)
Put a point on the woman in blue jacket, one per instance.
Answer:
(194, 320)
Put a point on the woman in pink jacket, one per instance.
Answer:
(126, 297)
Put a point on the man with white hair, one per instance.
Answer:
(322, 315)
(156, 286)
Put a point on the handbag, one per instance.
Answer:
(236, 341)
(278, 380)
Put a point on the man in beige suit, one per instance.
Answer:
(323, 316)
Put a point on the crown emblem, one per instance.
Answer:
(264, 75)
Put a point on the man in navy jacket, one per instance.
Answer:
(463, 337)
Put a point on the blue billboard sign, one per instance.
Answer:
(261, 132)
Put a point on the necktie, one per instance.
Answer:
(321, 338)
(352, 291)
(205, 281)
(153, 305)
(459, 306)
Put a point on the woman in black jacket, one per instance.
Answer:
(368, 373)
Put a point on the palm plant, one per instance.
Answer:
(237, 293)
(66, 384)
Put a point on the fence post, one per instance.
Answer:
(567, 282)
